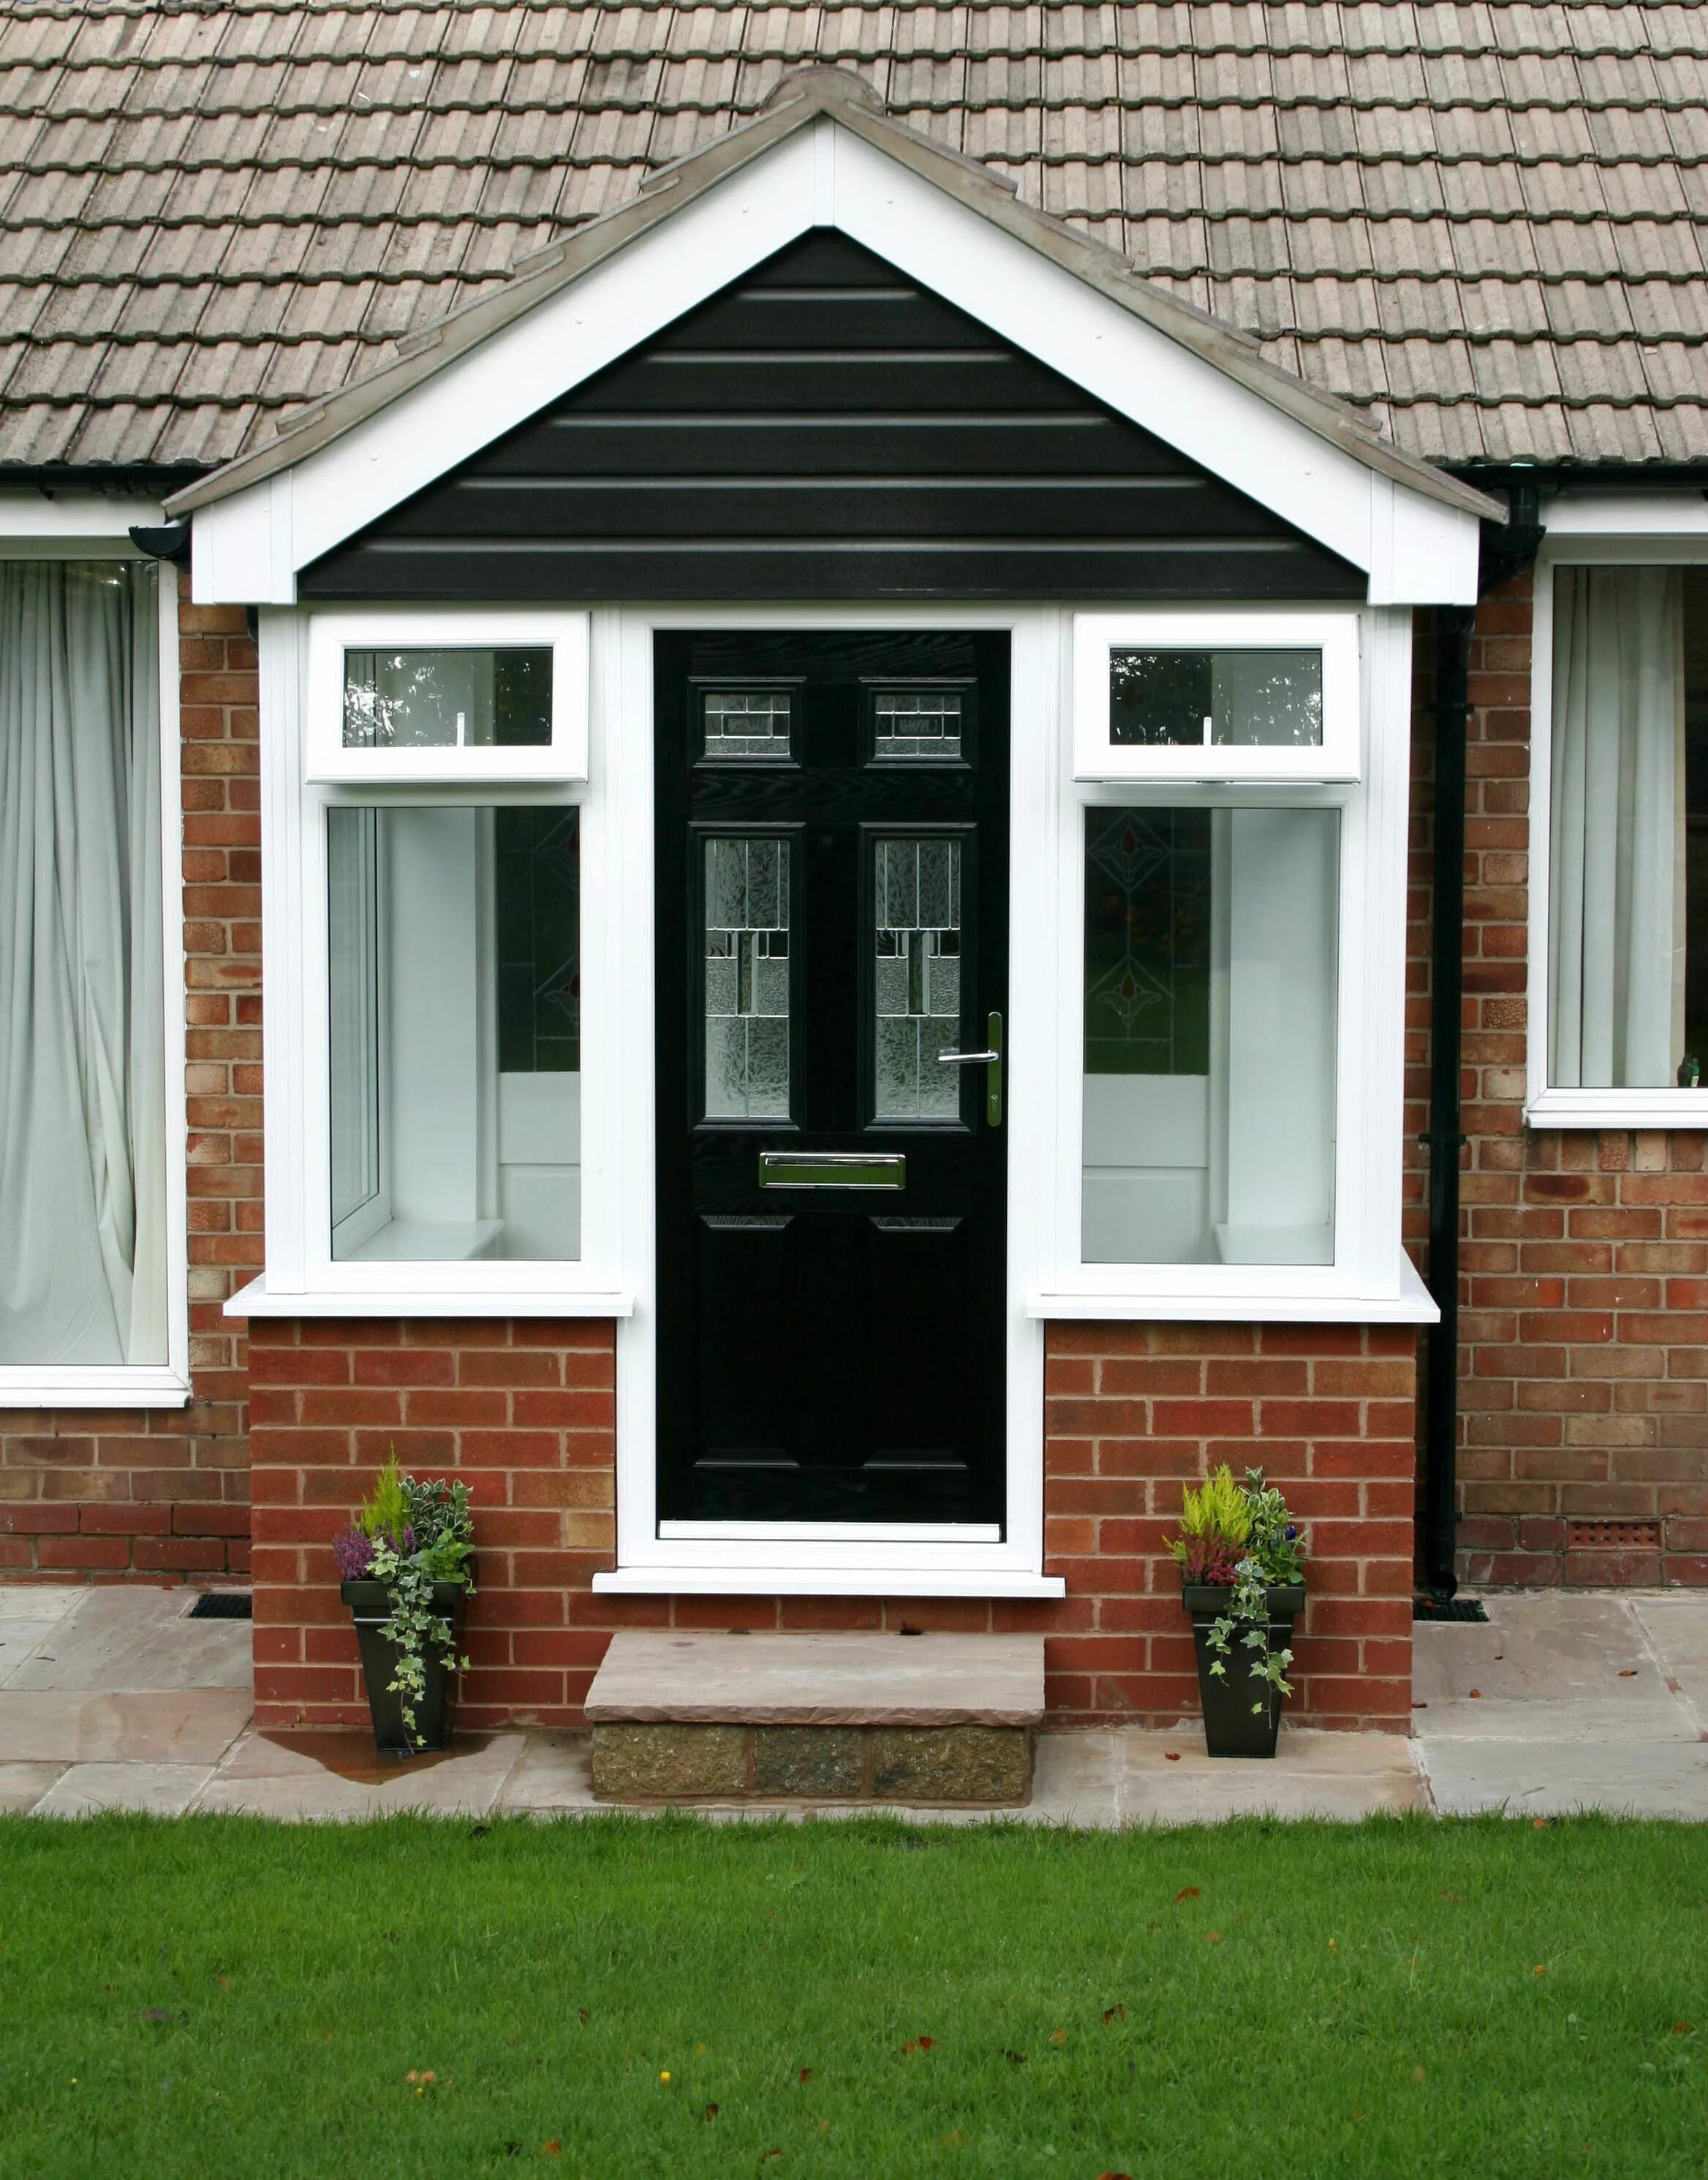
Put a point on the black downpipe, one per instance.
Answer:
(1440, 1517)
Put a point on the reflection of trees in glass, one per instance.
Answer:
(444, 699)
(538, 894)
(1146, 942)
(1183, 699)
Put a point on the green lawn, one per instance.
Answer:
(621, 1997)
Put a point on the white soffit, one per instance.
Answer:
(1417, 547)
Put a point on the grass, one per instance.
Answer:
(625, 1997)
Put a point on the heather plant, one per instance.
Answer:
(1240, 1537)
(409, 1535)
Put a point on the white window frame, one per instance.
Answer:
(1333, 635)
(1591, 529)
(302, 1277)
(333, 630)
(1371, 1279)
(90, 526)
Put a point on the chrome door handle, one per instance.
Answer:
(991, 1061)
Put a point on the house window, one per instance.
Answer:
(1627, 830)
(454, 1047)
(1210, 1039)
(429, 1035)
(405, 697)
(84, 1195)
(1231, 961)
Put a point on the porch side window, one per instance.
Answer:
(1211, 1020)
(1627, 894)
(453, 1032)
(83, 1193)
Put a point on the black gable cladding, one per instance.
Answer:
(825, 429)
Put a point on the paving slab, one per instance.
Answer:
(1075, 1781)
(650, 1677)
(317, 1776)
(128, 1640)
(1555, 1665)
(1168, 1778)
(20, 1641)
(164, 1790)
(1678, 1629)
(23, 1784)
(39, 1600)
(185, 1726)
(1566, 1776)
(554, 1772)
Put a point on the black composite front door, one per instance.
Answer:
(832, 925)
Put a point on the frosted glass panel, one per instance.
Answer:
(453, 1034)
(917, 723)
(1224, 699)
(746, 723)
(746, 971)
(447, 699)
(1210, 1041)
(915, 978)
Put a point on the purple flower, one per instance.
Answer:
(353, 1553)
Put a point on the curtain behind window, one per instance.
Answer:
(82, 1076)
(1616, 868)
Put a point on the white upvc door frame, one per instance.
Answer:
(806, 1558)
(91, 527)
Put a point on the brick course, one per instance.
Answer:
(163, 1493)
(1583, 1264)
(524, 1412)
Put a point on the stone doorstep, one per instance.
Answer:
(948, 1766)
(658, 1678)
(945, 1719)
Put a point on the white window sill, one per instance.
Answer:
(121, 1386)
(1618, 1109)
(256, 1301)
(783, 1579)
(1180, 1303)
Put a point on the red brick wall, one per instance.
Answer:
(524, 1413)
(163, 1494)
(1584, 1289)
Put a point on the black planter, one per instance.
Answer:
(370, 1608)
(1230, 1726)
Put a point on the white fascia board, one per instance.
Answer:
(71, 519)
(1663, 514)
(249, 547)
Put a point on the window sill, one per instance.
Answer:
(254, 1301)
(1618, 1109)
(1179, 1304)
(121, 1386)
(785, 1579)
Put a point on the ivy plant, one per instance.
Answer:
(410, 1534)
(1242, 1537)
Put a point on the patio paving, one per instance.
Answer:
(111, 1699)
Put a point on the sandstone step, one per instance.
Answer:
(929, 1719)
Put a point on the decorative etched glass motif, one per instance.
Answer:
(747, 723)
(746, 963)
(447, 699)
(1215, 699)
(916, 978)
(917, 723)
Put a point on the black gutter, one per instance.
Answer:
(1506, 551)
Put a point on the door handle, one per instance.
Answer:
(990, 1061)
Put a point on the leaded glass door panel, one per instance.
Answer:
(832, 940)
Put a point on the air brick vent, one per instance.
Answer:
(221, 1604)
(1612, 1536)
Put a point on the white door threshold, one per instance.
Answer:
(777, 1580)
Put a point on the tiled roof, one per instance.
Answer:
(1486, 225)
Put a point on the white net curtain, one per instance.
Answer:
(1617, 856)
(82, 1080)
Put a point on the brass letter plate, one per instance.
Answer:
(832, 1169)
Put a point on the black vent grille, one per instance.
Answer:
(223, 1604)
(1450, 1608)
